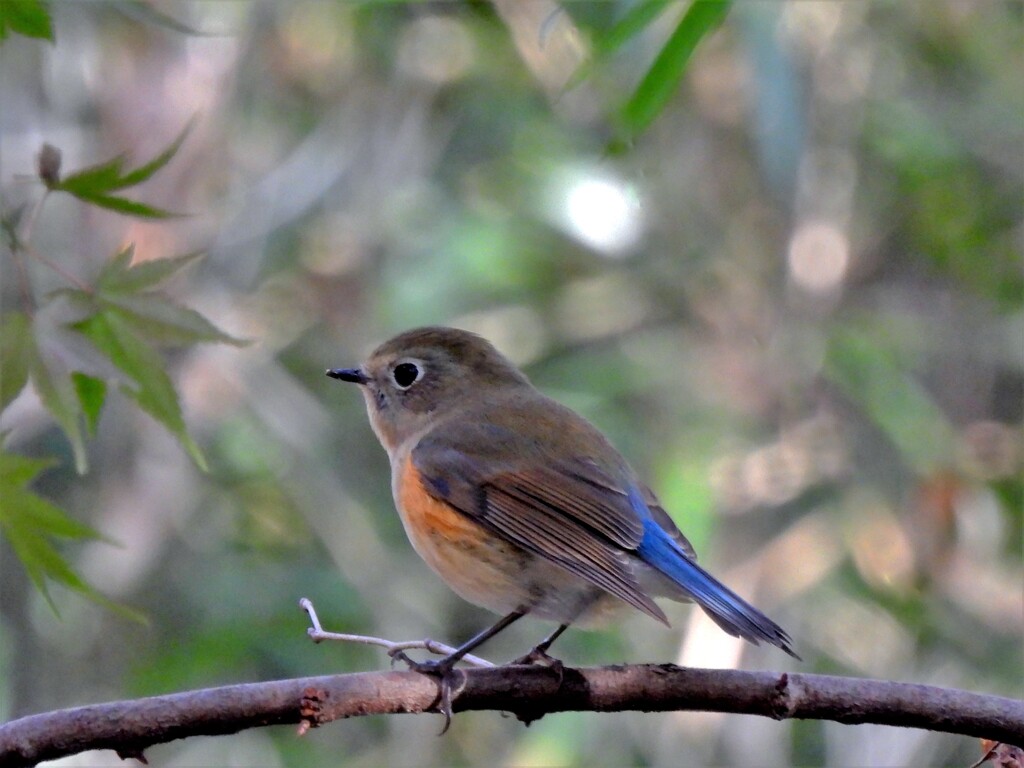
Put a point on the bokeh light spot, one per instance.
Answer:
(602, 212)
(819, 257)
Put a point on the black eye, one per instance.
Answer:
(405, 374)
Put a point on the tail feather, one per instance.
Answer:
(727, 609)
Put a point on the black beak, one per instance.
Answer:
(353, 375)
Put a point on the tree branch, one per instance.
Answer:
(129, 727)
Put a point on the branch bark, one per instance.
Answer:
(129, 727)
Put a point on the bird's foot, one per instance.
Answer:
(539, 657)
(446, 673)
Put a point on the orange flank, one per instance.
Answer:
(479, 566)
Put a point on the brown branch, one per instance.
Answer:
(129, 727)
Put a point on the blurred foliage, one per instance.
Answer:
(29, 522)
(26, 17)
(791, 295)
(663, 78)
(94, 185)
(122, 316)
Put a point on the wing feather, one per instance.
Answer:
(607, 513)
(555, 511)
(566, 544)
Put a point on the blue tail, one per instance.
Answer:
(728, 610)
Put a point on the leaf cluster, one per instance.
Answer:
(118, 325)
(31, 524)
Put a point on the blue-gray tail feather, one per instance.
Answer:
(728, 610)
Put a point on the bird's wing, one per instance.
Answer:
(568, 511)
(589, 473)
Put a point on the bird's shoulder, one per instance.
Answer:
(519, 429)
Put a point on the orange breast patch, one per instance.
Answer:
(428, 518)
(478, 565)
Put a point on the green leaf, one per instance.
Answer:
(665, 74)
(22, 507)
(30, 18)
(127, 207)
(92, 392)
(637, 18)
(95, 183)
(92, 180)
(153, 316)
(108, 177)
(113, 336)
(20, 470)
(30, 522)
(15, 355)
(119, 264)
(144, 172)
(162, 321)
(121, 276)
(59, 398)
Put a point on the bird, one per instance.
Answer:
(521, 505)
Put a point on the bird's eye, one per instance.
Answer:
(406, 374)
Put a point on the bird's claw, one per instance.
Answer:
(444, 670)
(397, 654)
(540, 657)
(428, 667)
(437, 667)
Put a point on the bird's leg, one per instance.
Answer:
(539, 654)
(439, 666)
(445, 668)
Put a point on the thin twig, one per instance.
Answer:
(318, 634)
(30, 220)
(23, 281)
(77, 282)
(23, 244)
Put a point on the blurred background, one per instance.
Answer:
(795, 303)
